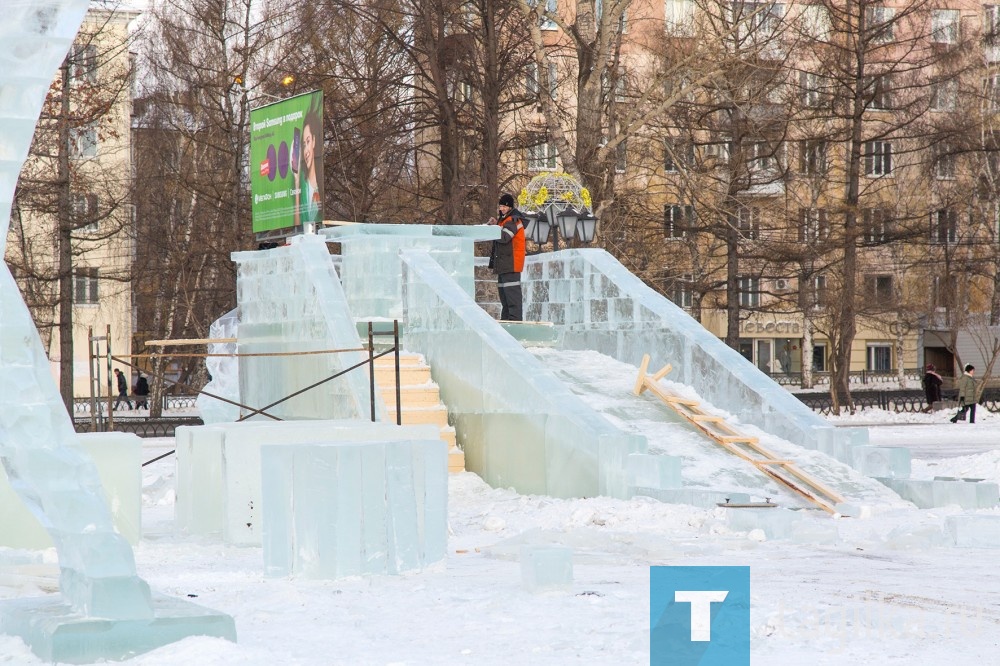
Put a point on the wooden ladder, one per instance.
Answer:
(739, 444)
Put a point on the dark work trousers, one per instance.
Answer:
(971, 407)
(509, 289)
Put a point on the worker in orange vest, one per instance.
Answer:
(507, 258)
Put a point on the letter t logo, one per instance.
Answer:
(701, 610)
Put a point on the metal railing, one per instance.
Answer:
(894, 401)
(170, 403)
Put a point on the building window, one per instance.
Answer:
(760, 19)
(677, 220)
(944, 289)
(718, 148)
(812, 90)
(993, 92)
(813, 158)
(878, 158)
(680, 291)
(763, 157)
(813, 225)
(748, 222)
(83, 141)
(84, 209)
(550, 7)
(944, 226)
(542, 157)
(83, 63)
(879, 357)
(749, 288)
(621, 156)
(819, 357)
(944, 95)
(991, 24)
(879, 290)
(944, 26)
(880, 89)
(531, 80)
(944, 163)
(819, 297)
(880, 23)
(876, 225)
(619, 91)
(678, 155)
(85, 286)
(679, 17)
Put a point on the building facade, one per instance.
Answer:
(71, 239)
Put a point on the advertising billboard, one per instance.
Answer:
(286, 163)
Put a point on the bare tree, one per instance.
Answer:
(201, 61)
(71, 207)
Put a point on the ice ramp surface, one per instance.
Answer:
(738, 443)
(607, 386)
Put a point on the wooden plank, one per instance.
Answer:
(682, 401)
(774, 462)
(188, 341)
(737, 438)
(701, 418)
(640, 382)
(663, 372)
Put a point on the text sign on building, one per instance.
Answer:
(286, 163)
(699, 616)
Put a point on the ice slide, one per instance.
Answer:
(522, 424)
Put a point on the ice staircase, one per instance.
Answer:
(739, 444)
(420, 399)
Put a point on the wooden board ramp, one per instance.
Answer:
(739, 444)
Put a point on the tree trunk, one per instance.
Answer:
(64, 248)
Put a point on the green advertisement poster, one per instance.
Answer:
(286, 163)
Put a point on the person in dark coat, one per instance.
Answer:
(122, 389)
(932, 387)
(507, 258)
(141, 392)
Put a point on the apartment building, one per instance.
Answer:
(799, 171)
(71, 227)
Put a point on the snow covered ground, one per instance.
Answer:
(884, 593)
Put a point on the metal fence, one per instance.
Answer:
(170, 402)
(856, 377)
(163, 427)
(893, 401)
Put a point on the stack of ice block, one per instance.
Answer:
(373, 273)
(116, 455)
(219, 468)
(354, 507)
(926, 493)
(293, 320)
(973, 531)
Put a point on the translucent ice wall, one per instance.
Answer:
(224, 370)
(291, 300)
(38, 447)
(596, 303)
(521, 427)
(372, 272)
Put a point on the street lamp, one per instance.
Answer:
(586, 227)
(566, 219)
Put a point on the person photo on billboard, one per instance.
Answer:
(308, 193)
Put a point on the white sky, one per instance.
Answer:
(887, 592)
